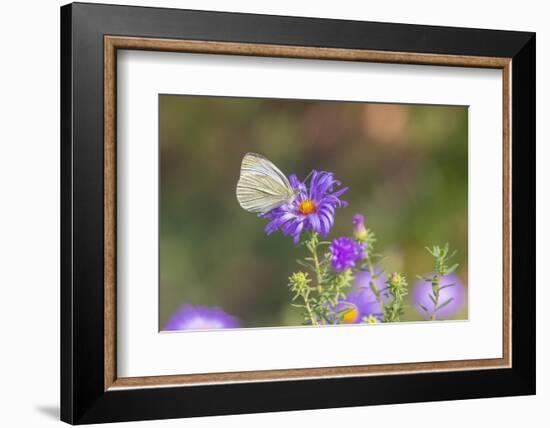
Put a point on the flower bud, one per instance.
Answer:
(359, 230)
(395, 279)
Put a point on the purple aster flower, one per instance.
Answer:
(359, 230)
(452, 288)
(345, 252)
(311, 209)
(189, 317)
(361, 301)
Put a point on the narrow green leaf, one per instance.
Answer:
(452, 268)
(445, 286)
(445, 303)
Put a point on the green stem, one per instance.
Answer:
(316, 260)
(372, 283)
(319, 276)
(436, 298)
(432, 317)
(309, 310)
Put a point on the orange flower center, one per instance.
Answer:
(307, 207)
(350, 316)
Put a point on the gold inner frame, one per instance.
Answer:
(113, 43)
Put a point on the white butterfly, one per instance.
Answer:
(262, 186)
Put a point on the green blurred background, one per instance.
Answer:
(406, 167)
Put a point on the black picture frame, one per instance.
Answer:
(83, 396)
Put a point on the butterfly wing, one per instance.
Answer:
(262, 186)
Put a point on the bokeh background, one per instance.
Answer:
(406, 166)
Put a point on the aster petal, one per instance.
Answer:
(325, 225)
(285, 218)
(340, 191)
(289, 227)
(313, 184)
(314, 222)
(294, 182)
(271, 227)
(299, 198)
(331, 220)
(327, 209)
(324, 183)
(297, 233)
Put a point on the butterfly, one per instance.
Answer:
(262, 186)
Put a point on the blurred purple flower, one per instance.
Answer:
(189, 317)
(452, 288)
(361, 301)
(345, 252)
(310, 210)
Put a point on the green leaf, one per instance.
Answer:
(452, 269)
(304, 264)
(445, 303)
(445, 286)
(297, 305)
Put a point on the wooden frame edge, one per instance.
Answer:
(507, 213)
(112, 43)
(301, 52)
(300, 374)
(109, 198)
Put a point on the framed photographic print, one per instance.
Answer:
(265, 213)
